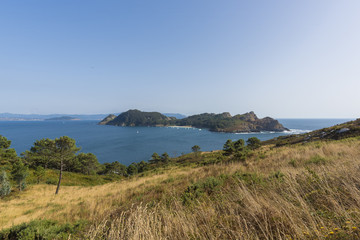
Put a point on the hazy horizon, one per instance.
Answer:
(280, 59)
(93, 114)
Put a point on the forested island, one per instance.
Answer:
(222, 122)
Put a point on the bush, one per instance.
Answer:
(251, 179)
(5, 186)
(41, 229)
(318, 160)
(198, 189)
(253, 143)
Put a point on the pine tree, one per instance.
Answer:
(239, 145)
(65, 150)
(165, 157)
(228, 147)
(195, 148)
(39, 173)
(155, 158)
(253, 143)
(19, 174)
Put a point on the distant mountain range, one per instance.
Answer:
(224, 122)
(41, 117)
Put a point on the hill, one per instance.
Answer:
(135, 117)
(300, 191)
(340, 131)
(223, 122)
(40, 117)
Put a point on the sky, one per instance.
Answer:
(284, 59)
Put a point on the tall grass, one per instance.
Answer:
(312, 201)
(309, 191)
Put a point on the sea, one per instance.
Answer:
(135, 144)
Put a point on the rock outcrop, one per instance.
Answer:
(106, 120)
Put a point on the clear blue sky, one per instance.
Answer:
(277, 58)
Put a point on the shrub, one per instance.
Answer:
(198, 189)
(250, 178)
(253, 143)
(293, 163)
(318, 160)
(41, 229)
(5, 186)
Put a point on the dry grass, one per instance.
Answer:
(74, 202)
(313, 200)
(299, 192)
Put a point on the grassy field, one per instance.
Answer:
(303, 191)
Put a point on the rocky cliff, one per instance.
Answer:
(107, 119)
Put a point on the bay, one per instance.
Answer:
(134, 144)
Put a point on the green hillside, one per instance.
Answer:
(223, 122)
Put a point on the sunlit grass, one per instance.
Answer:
(308, 191)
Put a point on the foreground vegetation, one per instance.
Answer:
(300, 191)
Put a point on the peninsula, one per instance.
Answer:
(222, 122)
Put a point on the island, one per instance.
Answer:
(223, 122)
(63, 118)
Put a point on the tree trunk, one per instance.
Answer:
(60, 176)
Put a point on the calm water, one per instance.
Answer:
(134, 144)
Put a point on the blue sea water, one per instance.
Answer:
(134, 144)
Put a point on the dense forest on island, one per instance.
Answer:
(223, 122)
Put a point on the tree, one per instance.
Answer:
(165, 157)
(65, 150)
(253, 143)
(241, 152)
(87, 162)
(4, 142)
(42, 154)
(132, 169)
(19, 174)
(7, 155)
(228, 147)
(142, 166)
(5, 186)
(239, 145)
(39, 173)
(155, 158)
(118, 168)
(195, 148)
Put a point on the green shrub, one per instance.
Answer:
(318, 160)
(52, 181)
(293, 163)
(41, 229)
(277, 176)
(207, 186)
(5, 186)
(250, 178)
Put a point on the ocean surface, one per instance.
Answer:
(134, 144)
